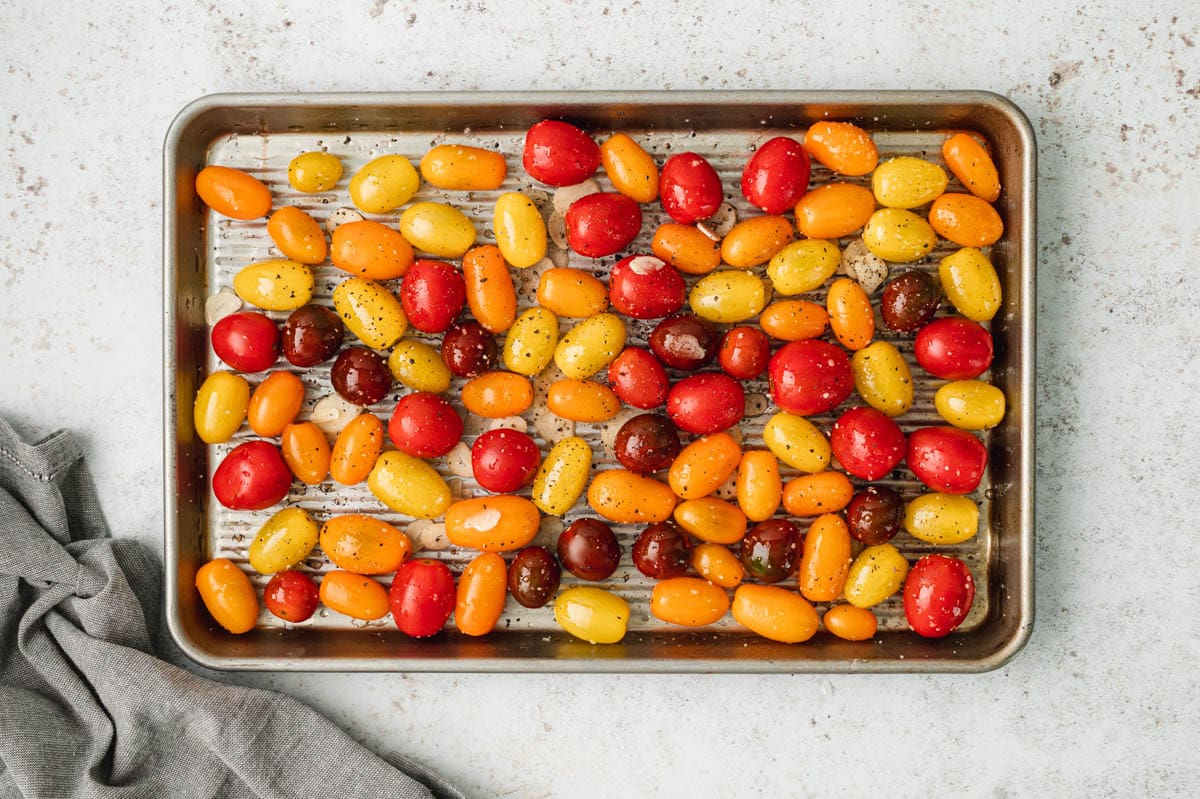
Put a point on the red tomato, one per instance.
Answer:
(954, 348)
(504, 460)
(867, 442)
(809, 377)
(947, 459)
(706, 403)
(433, 293)
(638, 379)
(253, 476)
(777, 175)
(602, 224)
(559, 154)
(938, 594)
(684, 342)
(247, 341)
(745, 352)
(690, 189)
(424, 425)
(291, 596)
(646, 287)
(422, 597)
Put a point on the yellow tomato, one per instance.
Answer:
(275, 285)
(704, 465)
(942, 519)
(482, 590)
(409, 485)
(775, 613)
(284, 540)
(491, 295)
(562, 476)
(354, 595)
(590, 346)
(895, 234)
(627, 498)
(688, 601)
(718, 565)
(797, 442)
(370, 311)
(882, 378)
(496, 395)
(297, 235)
(275, 403)
(971, 284)
(220, 407)
(572, 293)
(228, 595)
(728, 296)
(592, 614)
(876, 574)
(461, 168)
(582, 400)
(970, 404)
(803, 266)
(493, 524)
(384, 184)
(834, 210)
(713, 520)
(755, 240)
(908, 182)
(530, 344)
(316, 171)
(759, 486)
(437, 229)
(520, 230)
(419, 366)
(630, 169)
(363, 544)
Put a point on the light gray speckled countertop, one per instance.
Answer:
(1104, 699)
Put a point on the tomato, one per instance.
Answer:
(364, 544)
(704, 465)
(438, 229)
(630, 168)
(713, 520)
(482, 589)
(275, 404)
(253, 476)
(356, 449)
(297, 235)
(645, 287)
(797, 442)
(592, 614)
(954, 349)
(688, 601)
(729, 296)
(531, 341)
(942, 519)
(895, 234)
(371, 311)
(938, 594)
(306, 452)
(876, 574)
(842, 146)
(469, 350)
(284, 540)
(314, 172)
(775, 613)
(908, 182)
(590, 346)
(384, 184)
(572, 293)
(810, 377)
(561, 478)
(370, 249)
(311, 334)
(706, 403)
(533, 577)
(971, 164)
(496, 395)
(291, 596)
(422, 597)
(603, 223)
(419, 366)
(519, 229)
(687, 248)
(221, 405)
(684, 342)
(646, 443)
(559, 154)
(432, 294)
(247, 341)
(754, 241)
(796, 320)
(228, 595)
(504, 460)
(491, 295)
(425, 425)
(851, 317)
(909, 300)
(409, 485)
(499, 523)
(233, 193)
(834, 210)
(744, 352)
(588, 549)
(966, 220)
(638, 379)
(970, 404)
(825, 560)
(771, 550)
(718, 565)
(814, 494)
(759, 486)
(627, 498)
(875, 515)
(971, 284)
(662, 551)
(690, 189)
(354, 595)
(850, 623)
(947, 459)
(776, 176)
(360, 376)
(582, 401)
(867, 442)
(461, 168)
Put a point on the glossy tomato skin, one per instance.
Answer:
(247, 341)
(432, 294)
(469, 350)
(771, 550)
(875, 515)
(559, 154)
(425, 425)
(638, 379)
(776, 177)
(909, 300)
(938, 594)
(361, 376)
(646, 287)
(602, 224)
(422, 597)
(706, 403)
(312, 334)
(534, 576)
(947, 459)
(690, 189)
(744, 352)
(662, 551)
(685, 342)
(954, 348)
(810, 377)
(504, 460)
(292, 596)
(867, 442)
(253, 476)
(589, 549)
(647, 443)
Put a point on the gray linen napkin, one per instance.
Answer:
(87, 710)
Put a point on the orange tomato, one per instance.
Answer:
(755, 240)
(686, 248)
(793, 320)
(850, 314)
(297, 235)
(493, 524)
(572, 293)
(966, 220)
(825, 560)
(834, 210)
(306, 452)
(461, 168)
(233, 193)
(851, 623)
(371, 249)
(582, 401)
(775, 613)
(814, 494)
(704, 465)
(713, 520)
(688, 601)
(227, 593)
(482, 590)
(627, 498)
(490, 292)
(631, 169)
(497, 394)
(759, 486)
(971, 164)
(363, 544)
(718, 565)
(356, 449)
(275, 404)
(843, 147)
(354, 595)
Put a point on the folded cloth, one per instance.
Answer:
(87, 710)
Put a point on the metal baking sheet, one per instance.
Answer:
(202, 251)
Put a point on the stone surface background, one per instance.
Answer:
(1104, 699)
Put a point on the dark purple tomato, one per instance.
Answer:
(361, 376)
(874, 515)
(909, 300)
(247, 341)
(504, 460)
(744, 352)
(589, 549)
(685, 342)
(662, 551)
(771, 550)
(647, 443)
(533, 577)
(311, 334)
(469, 350)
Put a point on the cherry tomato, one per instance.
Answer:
(647, 443)
(247, 341)
(690, 189)
(432, 294)
(662, 551)
(685, 342)
(360, 376)
(504, 460)
(533, 577)
(370, 249)
(810, 377)
(687, 248)
(938, 594)
(482, 589)
(842, 146)
(646, 287)
(638, 379)
(425, 425)
(954, 348)
(233, 193)
(291, 596)
(422, 597)
(602, 224)
(776, 176)
(589, 549)
(771, 550)
(253, 476)
(868, 443)
(851, 623)
(970, 162)
(910, 300)
(354, 595)
(275, 404)
(311, 334)
(559, 154)
(947, 459)
(744, 352)
(228, 595)
(875, 515)
(469, 350)
(706, 403)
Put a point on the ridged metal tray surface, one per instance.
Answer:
(203, 250)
